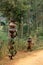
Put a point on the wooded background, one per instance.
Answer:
(28, 15)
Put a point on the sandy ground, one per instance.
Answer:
(23, 58)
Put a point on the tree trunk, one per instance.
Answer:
(22, 27)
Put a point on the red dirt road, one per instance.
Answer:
(33, 59)
(30, 58)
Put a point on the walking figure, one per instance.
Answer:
(29, 44)
(12, 35)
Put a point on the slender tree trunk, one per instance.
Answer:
(21, 27)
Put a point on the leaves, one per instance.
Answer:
(13, 8)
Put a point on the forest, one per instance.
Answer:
(28, 17)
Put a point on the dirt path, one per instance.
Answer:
(33, 59)
(30, 58)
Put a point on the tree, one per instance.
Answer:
(15, 9)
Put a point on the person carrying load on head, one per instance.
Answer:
(29, 44)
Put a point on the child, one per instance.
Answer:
(29, 44)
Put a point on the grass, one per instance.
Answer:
(3, 35)
(20, 44)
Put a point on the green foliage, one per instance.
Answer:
(16, 10)
(32, 13)
(3, 35)
(25, 29)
